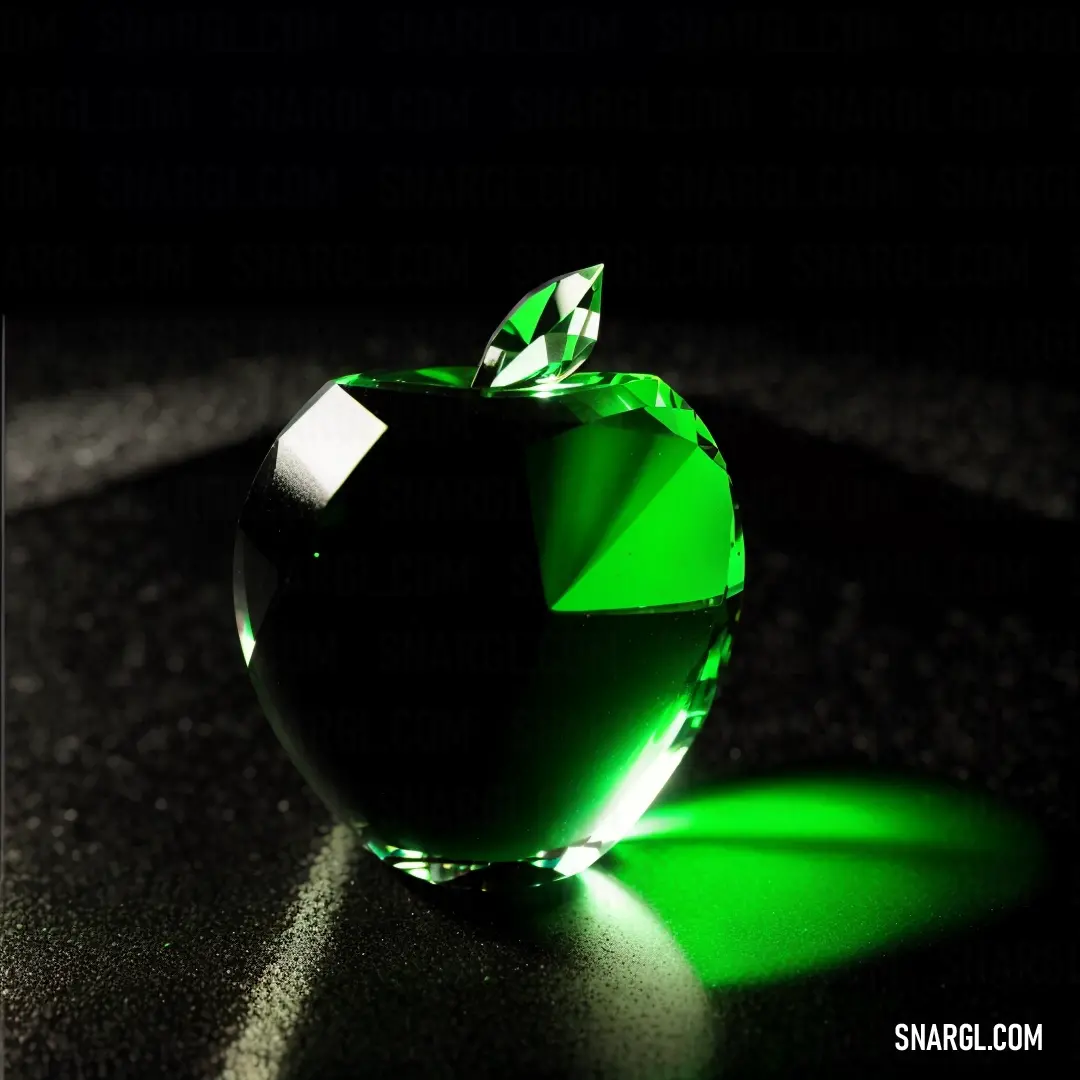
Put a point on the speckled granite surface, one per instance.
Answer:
(177, 904)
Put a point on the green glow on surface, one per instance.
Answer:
(784, 878)
(316, 554)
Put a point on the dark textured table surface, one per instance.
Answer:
(178, 904)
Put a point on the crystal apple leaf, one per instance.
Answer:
(548, 335)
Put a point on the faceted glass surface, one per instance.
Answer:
(488, 623)
(548, 334)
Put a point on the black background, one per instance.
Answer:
(842, 182)
(852, 178)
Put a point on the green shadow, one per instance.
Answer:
(782, 878)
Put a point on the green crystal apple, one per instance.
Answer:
(486, 610)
